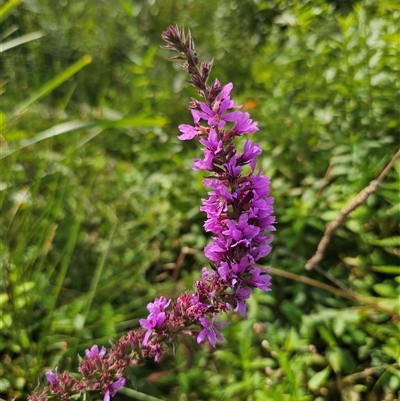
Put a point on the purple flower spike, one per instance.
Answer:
(210, 330)
(112, 390)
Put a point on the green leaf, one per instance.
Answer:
(386, 269)
(387, 290)
(341, 360)
(392, 241)
(319, 379)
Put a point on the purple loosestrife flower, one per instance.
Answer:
(216, 206)
(210, 330)
(113, 388)
(232, 273)
(260, 279)
(188, 132)
(241, 231)
(250, 152)
(242, 293)
(95, 353)
(52, 377)
(244, 125)
(215, 115)
(156, 317)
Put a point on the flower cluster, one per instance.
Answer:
(239, 214)
(239, 210)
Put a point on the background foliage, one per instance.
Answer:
(100, 207)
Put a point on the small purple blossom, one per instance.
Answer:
(233, 168)
(94, 352)
(233, 272)
(242, 231)
(210, 330)
(260, 279)
(250, 152)
(156, 317)
(215, 116)
(244, 125)
(241, 295)
(205, 164)
(113, 388)
(188, 132)
(52, 377)
(217, 249)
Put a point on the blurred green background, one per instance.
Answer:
(100, 209)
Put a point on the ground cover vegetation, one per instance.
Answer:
(100, 209)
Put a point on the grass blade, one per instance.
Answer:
(49, 133)
(20, 41)
(52, 84)
(6, 8)
(63, 128)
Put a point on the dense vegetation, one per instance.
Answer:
(100, 209)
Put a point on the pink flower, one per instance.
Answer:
(94, 352)
(210, 330)
(52, 377)
(112, 390)
(156, 317)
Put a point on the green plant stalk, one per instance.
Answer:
(136, 395)
(59, 282)
(99, 269)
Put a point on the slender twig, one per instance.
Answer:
(344, 294)
(317, 268)
(357, 201)
(368, 372)
(351, 295)
(365, 373)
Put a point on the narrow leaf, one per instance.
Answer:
(6, 8)
(52, 84)
(319, 379)
(21, 40)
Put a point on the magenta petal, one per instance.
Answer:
(206, 109)
(118, 384)
(211, 338)
(51, 377)
(188, 132)
(201, 337)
